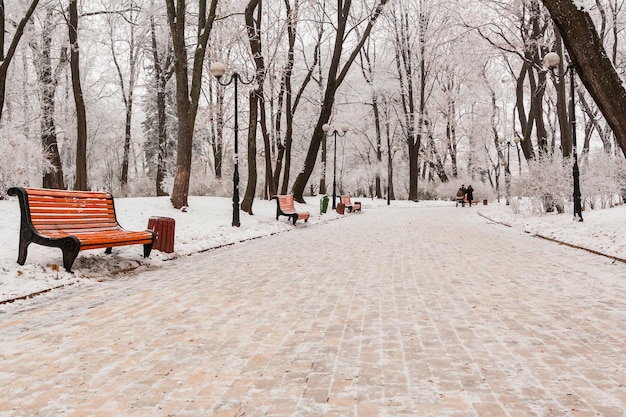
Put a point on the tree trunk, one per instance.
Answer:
(127, 95)
(270, 185)
(368, 74)
(160, 79)
(217, 142)
(592, 63)
(248, 199)
(253, 27)
(127, 141)
(80, 182)
(48, 82)
(187, 98)
(561, 102)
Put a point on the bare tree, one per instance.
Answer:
(335, 76)
(412, 98)
(288, 100)
(127, 84)
(187, 98)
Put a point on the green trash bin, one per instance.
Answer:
(324, 204)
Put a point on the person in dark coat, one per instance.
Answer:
(470, 194)
(460, 196)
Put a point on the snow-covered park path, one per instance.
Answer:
(430, 311)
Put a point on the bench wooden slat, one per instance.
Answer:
(285, 207)
(72, 221)
(345, 199)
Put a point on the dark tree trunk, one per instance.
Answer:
(161, 76)
(80, 182)
(248, 199)
(48, 82)
(256, 100)
(187, 97)
(127, 140)
(217, 139)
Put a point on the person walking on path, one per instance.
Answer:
(470, 194)
(460, 196)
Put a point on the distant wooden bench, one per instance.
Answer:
(285, 207)
(72, 221)
(345, 199)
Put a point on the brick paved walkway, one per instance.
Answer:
(392, 312)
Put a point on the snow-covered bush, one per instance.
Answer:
(600, 180)
(548, 183)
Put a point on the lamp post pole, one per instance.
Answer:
(578, 213)
(218, 70)
(326, 128)
(550, 61)
(389, 153)
(507, 171)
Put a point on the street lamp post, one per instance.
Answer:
(507, 168)
(390, 153)
(218, 70)
(550, 61)
(327, 128)
(575, 172)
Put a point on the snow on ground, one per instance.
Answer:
(206, 225)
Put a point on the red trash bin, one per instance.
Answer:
(341, 208)
(163, 228)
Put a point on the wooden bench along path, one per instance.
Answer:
(285, 207)
(72, 221)
(356, 206)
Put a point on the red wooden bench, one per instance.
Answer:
(285, 207)
(356, 206)
(72, 221)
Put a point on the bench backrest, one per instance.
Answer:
(286, 202)
(53, 209)
(345, 199)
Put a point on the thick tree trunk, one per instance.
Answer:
(176, 17)
(187, 97)
(248, 199)
(592, 63)
(160, 79)
(48, 81)
(256, 100)
(80, 182)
